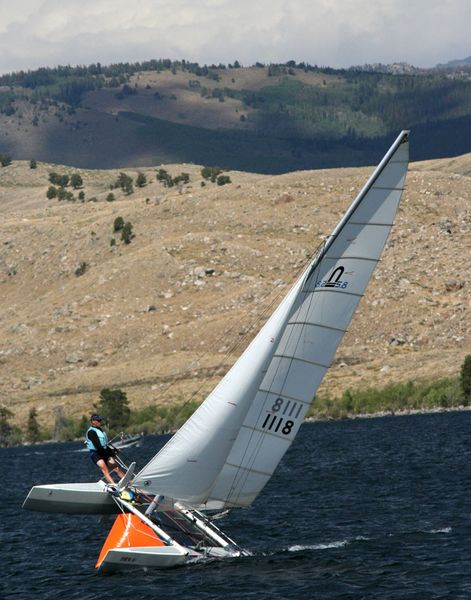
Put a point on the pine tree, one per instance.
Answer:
(5, 427)
(465, 378)
(32, 428)
(126, 233)
(114, 408)
(141, 180)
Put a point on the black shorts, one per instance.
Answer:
(96, 457)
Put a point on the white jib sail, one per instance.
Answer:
(227, 451)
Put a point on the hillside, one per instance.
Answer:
(264, 118)
(158, 317)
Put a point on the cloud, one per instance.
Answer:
(338, 33)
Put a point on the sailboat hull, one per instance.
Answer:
(150, 557)
(71, 498)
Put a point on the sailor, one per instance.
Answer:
(100, 452)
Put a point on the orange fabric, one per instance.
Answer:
(128, 531)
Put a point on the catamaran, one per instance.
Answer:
(226, 452)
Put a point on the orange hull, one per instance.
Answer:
(128, 531)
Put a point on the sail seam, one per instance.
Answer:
(334, 290)
(390, 189)
(372, 224)
(283, 395)
(309, 362)
(280, 436)
(227, 502)
(367, 258)
(264, 473)
(318, 325)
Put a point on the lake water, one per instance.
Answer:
(371, 508)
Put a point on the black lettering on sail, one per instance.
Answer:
(334, 278)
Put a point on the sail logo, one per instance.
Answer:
(334, 280)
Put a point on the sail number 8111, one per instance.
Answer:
(282, 422)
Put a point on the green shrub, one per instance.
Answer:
(33, 164)
(5, 160)
(57, 179)
(81, 269)
(124, 182)
(223, 180)
(71, 428)
(63, 194)
(110, 197)
(442, 393)
(164, 177)
(51, 192)
(210, 173)
(118, 224)
(63, 180)
(182, 178)
(161, 419)
(76, 181)
(126, 233)
(141, 180)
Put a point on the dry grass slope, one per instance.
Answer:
(148, 317)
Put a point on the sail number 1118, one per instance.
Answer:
(274, 423)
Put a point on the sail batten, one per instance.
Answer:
(304, 360)
(327, 291)
(321, 325)
(286, 397)
(372, 224)
(237, 437)
(248, 469)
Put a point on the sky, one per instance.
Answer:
(335, 33)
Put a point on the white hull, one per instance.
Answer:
(149, 557)
(72, 499)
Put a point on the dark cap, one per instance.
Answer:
(96, 418)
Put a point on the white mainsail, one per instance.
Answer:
(227, 451)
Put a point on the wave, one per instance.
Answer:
(325, 545)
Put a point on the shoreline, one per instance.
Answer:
(390, 413)
(352, 417)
